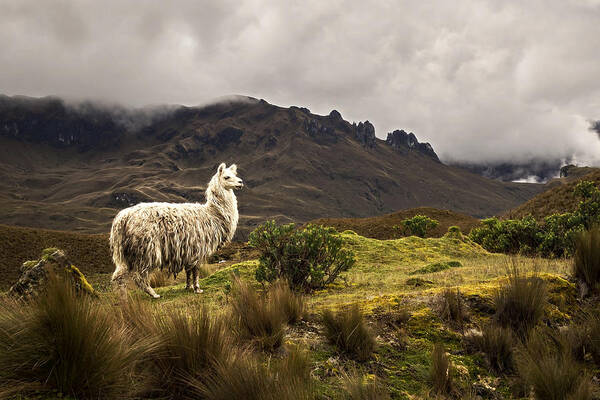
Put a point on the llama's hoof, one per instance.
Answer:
(198, 291)
(156, 296)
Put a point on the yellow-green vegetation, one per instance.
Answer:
(406, 320)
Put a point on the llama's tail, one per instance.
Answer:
(117, 237)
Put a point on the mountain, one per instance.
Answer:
(72, 167)
(535, 171)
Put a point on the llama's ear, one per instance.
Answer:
(233, 168)
(221, 168)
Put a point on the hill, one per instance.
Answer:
(18, 245)
(385, 226)
(72, 167)
(558, 198)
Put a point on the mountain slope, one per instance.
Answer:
(73, 168)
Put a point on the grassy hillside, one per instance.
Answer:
(558, 199)
(385, 226)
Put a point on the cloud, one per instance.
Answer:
(481, 80)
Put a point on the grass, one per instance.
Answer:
(586, 262)
(258, 320)
(290, 303)
(547, 365)
(66, 343)
(363, 387)
(440, 372)
(497, 344)
(402, 317)
(452, 308)
(520, 303)
(348, 331)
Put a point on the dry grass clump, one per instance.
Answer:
(159, 278)
(256, 319)
(291, 304)
(546, 364)
(440, 372)
(247, 378)
(520, 303)
(586, 261)
(497, 344)
(349, 332)
(66, 343)
(359, 387)
(452, 308)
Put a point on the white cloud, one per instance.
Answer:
(481, 80)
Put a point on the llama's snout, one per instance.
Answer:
(239, 184)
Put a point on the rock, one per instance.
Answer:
(365, 133)
(399, 139)
(335, 115)
(34, 275)
(319, 132)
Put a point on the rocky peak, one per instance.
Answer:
(400, 139)
(335, 115)
(364, 133)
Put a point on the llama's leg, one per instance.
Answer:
(119, 280)
(141, 280)
(196, 280)
(188, 279)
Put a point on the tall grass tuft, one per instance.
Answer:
(497, 344)
(440, 373)
(290, 303)
(256, 319)
(452, 308)
(247, 378)
(358, 387)
(189, 349)
(547, 365)
(586, 261)
(349, 332)
(66, 343)
(520, 303)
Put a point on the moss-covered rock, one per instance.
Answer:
(35, 273)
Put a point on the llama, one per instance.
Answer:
(174, 236)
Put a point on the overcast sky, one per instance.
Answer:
(481, 80)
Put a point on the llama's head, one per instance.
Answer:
(227, 177)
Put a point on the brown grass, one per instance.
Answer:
(440, 372)
(292, 304)
(349, 332)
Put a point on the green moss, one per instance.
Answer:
(436, 267)
(46, 253)
(80, 278)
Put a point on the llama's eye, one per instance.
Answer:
(227, 177)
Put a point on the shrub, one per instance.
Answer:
(452, 308)
(419, 225)
(508, 236)
(586, 262)
(440, 372)
(349, 332)
(65, 343)
(547, 365)
(360, 387)
(520, 303)
(291, 304)
(308, 258)
(497, 344)
(255, 318)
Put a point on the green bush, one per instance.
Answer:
(419, 225)
(553, 237)
(308, 258)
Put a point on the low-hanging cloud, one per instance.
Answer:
(480, 80)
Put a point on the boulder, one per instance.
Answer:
(34, 275)
(399, 139)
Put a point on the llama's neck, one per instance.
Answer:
(222, 204)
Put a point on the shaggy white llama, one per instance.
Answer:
(174, 236)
